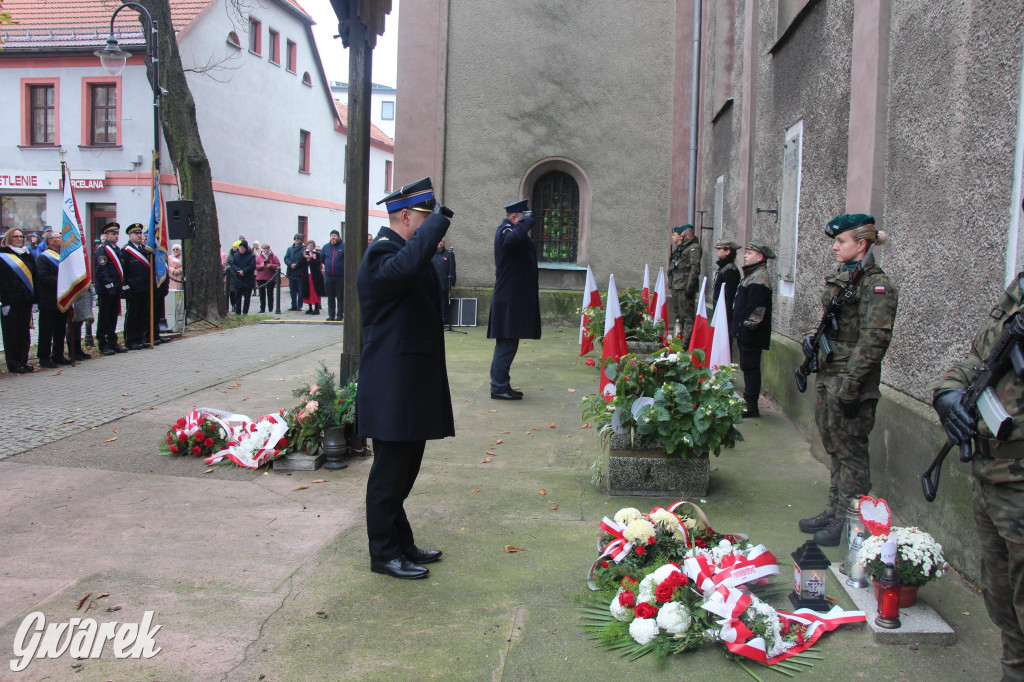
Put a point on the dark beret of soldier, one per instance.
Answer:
(111, 227)
(848, 221)
(728, 244)
(135, 228)
(762, 249)
(682, 228)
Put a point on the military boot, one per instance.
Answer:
(830, 534)
(816, 523)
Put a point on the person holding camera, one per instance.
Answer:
(313, 283)
(515, 305)
(402, 399)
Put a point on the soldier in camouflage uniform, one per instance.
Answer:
(846, 389)
(998, 479)
(684, 278)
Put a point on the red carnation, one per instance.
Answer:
(645, 610)
(605, 564)
(664, 591)
(209, 442)
(180, 423)
(169, 439)
(174, 449)
(641, 551)
(201, 421)
(590, 362)
(282, 443)
(627, 600)
(650, 540)
(196, 451)
(182, 438)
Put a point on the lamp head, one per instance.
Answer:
(112, 57)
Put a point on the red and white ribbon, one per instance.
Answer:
(618, 549)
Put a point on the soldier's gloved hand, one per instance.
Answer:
(960, 427)
(444, 210)
(809, 348)
(849, 408)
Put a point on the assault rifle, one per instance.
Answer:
(830, 320)
(981, 400)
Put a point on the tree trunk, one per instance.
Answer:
(204, 279)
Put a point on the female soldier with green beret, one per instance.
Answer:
(846, 388)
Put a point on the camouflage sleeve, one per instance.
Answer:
(876, 310)
(963, 373)
(692, 277)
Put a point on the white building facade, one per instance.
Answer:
(269, 125)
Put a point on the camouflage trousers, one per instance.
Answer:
(686, 311)
(845, 441)
(998, 511)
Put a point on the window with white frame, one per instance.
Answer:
(387, 110)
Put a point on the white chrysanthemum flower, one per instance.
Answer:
(619, 612)
(643, 630)
(665, 518)
(645, 592)
(627, 514)
(690, 523)
(639, 531)
(674, 618)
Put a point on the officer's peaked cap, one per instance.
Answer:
(521, 206)
(416, 196)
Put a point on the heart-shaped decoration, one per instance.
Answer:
(875, 515)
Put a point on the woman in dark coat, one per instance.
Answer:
(752, 320)
(17, 294)
(243, 267)
(313, 283)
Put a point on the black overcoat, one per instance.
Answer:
(755, 291)
(515, 306)
(13, 290)
(46, 282)
(403, 381)
(312, 267)
(246, 262)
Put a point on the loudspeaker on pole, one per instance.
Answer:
(181, 219)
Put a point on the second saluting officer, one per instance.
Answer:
(515, 305)
(138, 278)
(402, 399)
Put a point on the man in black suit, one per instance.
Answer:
(402, 399)
(109, 276)
(52, 322)
(444, 264)
(515, 306)
(137, 262)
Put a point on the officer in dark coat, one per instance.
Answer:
(52, 322)
(752, 320)
(109, 275)
(402, 398)
(444, 263)
(137, 263)
(515, 306)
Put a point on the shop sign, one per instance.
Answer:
(50, 180)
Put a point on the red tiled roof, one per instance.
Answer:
(376, 134)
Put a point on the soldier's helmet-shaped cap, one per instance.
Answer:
(416, 196)
(682, 228)
(111, 227)
(762, 248)
(847, 221)
(135, 228)
(521, 206)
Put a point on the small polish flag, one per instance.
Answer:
(721, 351)
(645, 294)
(701, 336)
(659, 302)
(591, 299)
(614, 346)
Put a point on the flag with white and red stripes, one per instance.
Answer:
(591, 299)
(614, 346)
(701, 336)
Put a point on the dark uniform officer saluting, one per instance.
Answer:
(109, 276)
(138, 278)
(515, 305)
(402, 399)
(444, 264)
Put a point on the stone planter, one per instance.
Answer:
(644, 468)
(300, 461)
(335, 447)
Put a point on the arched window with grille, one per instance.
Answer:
(556, 212)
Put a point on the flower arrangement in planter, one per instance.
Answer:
(345, 403)
(640, 324)
(195, 435)
(315, 411)
(919, 557)
(691, 410)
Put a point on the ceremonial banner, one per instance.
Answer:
(701, 336)
(74, 271)
(614, 345)
(156, 241)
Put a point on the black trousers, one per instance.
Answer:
(17, 337)
(504, 353)
(335, 290)
(750, 365)
(106, 321)
(136, 319)
(266, 295)
(241, 297)
(52, 326)
(295, 289)
(395, 467)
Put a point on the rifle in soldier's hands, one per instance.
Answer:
(979, 399)
(819, 340)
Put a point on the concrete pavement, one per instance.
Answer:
(264, 575)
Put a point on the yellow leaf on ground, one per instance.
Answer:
(209, 471)
(511, 549)
(476, 490)
(572, 390)
(585, 426)
(102, 595)
(552, 426)
(126, 395)
(70, 420)
(320, 480)
(536, 428)
(301, 487)
(542, 492)
(554, 508)
(491, 411)
(492, 454)
(486, 461)
(110, 440)
(506, 432)
(82, 601)
(499, 441)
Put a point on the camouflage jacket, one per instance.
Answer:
(1008, 388)
(684, 268)
(865, 330)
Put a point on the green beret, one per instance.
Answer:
(847, 221)
(684, 228)
(762, 249)
(727, 244)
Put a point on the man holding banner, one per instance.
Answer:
(52, 323)
(156, 244)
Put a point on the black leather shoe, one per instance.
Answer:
(510, 395)
(133, 346)
(61, 360)
(750, 414)
(515, 392)
(817, 522)
(21, 370)
(107, 351)
(830, 534)
(48, 364)
(422, 556)
(28, 367)
(400, 568)
(82, 356)
(120, 349)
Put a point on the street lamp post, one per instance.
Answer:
(113, 59)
